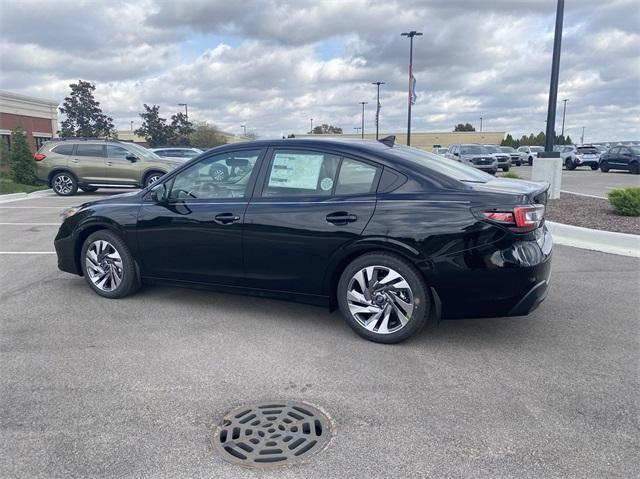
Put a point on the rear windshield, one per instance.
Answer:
(589, 150)
(444, 166)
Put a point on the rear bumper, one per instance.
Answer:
(497, 280)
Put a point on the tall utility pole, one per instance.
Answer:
(131, 125)
(186, 109)
(311, 120)
(410, 34)
(564, 111)
(582, 137)
(378, 83)
(480, 123)
(363, 103)
(244, 128)
(553, 86)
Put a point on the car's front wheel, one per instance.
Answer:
(604, 166)
(569, 164)
(108, 266)
(64, 184)
(634, 168)
(152, 177)
(383, 297)
(594, 167)
(505, 168)
(530, 161)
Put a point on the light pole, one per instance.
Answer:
(480, 124)
(410, 34)
(378, 83)
(311, 119)
(186, 109)
(244, 128)
(553, 84)
(564, 111)
(357, 128)
(582, 137)
(363, 103)
(131, 125)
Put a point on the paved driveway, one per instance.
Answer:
(92, 387)
(585, 181)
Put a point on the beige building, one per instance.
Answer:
(427, 140)
(131, 136)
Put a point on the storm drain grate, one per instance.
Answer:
(272, 433)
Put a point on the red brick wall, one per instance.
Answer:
(8, 121)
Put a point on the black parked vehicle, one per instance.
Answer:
(389, 234)
(621, 158)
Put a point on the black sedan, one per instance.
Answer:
(391, 235)
(621, 158)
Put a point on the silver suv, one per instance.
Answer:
(67, 164)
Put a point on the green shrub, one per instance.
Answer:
(5, 161)
(625, 201)
(23, 168)
(510, 174)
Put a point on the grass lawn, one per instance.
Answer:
(9, 186)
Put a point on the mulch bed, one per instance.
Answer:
(590, 212)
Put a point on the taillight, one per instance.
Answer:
(521, 219)
(39, 157)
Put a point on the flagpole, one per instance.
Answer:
(410, 34)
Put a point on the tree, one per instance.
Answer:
(5, 160)
(23, 168)
(206, 136)
(154, 129)
(182, 129)
(325, 129)
(84, 116)
(465, 127)
(508, 141)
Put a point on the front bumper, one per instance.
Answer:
(65, 246)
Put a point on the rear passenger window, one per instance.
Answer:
(301, 173)
(355, 178)
(63, 149)
(90, 150)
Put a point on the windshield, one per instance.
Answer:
(492, 149)
(507, 149)
(537, 148)
(635, 150)
(472, 150)
(444, 166)
(139, 150)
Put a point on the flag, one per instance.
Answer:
(412, 93)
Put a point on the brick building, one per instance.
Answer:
(37, 117)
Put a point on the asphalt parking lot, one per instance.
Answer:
(587, 182)
(92, 387)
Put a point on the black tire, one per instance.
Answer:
(604, 166)
(634, 168)
(64, 183)
(594, 167)
(519, 163)
(89, 189)
(506, 168)
(130, 281)
(420, 291)
(569, 164)
(152, 177)
(530, 161)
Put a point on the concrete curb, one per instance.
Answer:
(24, 196)
(596, 240)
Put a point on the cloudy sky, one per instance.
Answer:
(272, 65)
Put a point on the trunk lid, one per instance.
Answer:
(534, 191)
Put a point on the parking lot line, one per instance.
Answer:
(29, 224)
(32, 207)
(27, 252)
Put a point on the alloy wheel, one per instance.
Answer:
(380, 299)
(104, 265)
(152, 179)
(63, 184)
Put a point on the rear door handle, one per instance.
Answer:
(226, 218)
(75, 160)
(109, 163)
(341, 218)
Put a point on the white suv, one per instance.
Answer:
(528, 153)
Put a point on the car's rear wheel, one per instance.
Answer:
(89, 189)
(505, 168)
(594, 167)
(604, 166)
(530, 161)
(383, 298)
(64, 184)
(634, 168)
(108, 266)
(152, 177)
(569, 164)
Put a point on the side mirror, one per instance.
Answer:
(159, 193)
(132, 158)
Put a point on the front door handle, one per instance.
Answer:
(341, 218)
(226, 218)
(75, 160)
(109, 163)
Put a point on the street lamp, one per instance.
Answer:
(378, 83)
(582, 137)
(357, 128)
(244, 127)
(311, 119)
(131, 125)
(480, 124)
(564, 111)
(363, 103)
(186, 109)
(410, 34)
(553, 84)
